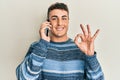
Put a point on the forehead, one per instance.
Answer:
(58, 12)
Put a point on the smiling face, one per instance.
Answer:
(59, 20)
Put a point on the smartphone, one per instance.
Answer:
(47, 29)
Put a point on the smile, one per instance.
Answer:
(59, 28)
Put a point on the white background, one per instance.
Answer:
(20, 21)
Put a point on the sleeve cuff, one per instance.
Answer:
(92, 61)
(91, 57)
(44, 42)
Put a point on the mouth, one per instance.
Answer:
(60, 28)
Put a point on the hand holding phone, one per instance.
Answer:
(47, 30)
(44, 31)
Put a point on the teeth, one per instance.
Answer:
(59, 29)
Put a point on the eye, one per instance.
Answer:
(54, 18)
(64, 18)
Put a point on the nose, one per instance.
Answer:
(59, 22)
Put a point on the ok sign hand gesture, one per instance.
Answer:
(87, 41)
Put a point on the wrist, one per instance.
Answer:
(89, 53)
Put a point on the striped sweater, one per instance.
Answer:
(58, 61)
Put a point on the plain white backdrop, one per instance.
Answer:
(20, 21)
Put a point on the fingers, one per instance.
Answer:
(87, 33)
(83, 29)
(95, 35)
(45, 25)
(78, 38)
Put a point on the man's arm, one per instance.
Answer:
(30, 68)
(93, 69)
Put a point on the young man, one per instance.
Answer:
(56, 56)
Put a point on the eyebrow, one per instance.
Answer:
(54, 16)
(62, 16)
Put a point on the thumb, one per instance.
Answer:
(76, 40)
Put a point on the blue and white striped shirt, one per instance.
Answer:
(58, 61)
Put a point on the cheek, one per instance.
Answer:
(53, 29)
(66, 23)
(53, 24)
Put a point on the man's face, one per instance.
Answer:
(59, 20)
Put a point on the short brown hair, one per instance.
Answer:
(57, 5)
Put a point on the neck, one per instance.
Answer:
(59, 39)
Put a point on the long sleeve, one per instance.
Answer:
(31, 66)
(93, 68)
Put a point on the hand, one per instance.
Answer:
(87, 41)
(43, 26)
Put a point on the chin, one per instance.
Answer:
(60, 35)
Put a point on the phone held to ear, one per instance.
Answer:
(47, 29)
